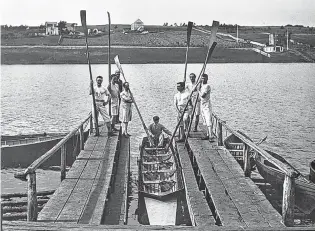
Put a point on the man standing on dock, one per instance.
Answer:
(206, 107)
(115, 96)
(190, 87)
(125, 109)
(100, 101)
(180, 100)
(156, 129)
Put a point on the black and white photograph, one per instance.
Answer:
(157, 115)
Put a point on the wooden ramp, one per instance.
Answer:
(237, 201)
(199, 210)
(81, 197)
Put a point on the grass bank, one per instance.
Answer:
(53, 55)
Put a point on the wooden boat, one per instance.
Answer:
(160, 182)
(29, 138)
(22, 150)
(312, 171)
(305, 188)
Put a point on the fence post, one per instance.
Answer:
(63, 161)
(220, 135)
(31, 196)
(91, 124)
(288, 200)
(81, 137)
(246, 160)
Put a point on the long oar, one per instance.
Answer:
(212, 44)
(189, 98)
(189, 29)
(133, 99)
(109, 64)
(214, 30)
(83, 21)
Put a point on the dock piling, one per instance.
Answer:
(31, 197)
(63, 162)
(288, 200)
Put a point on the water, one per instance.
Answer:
(277, 100)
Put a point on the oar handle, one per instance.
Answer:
(134, 102)
(83, 21)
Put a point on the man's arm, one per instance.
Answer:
(176, 104)
(168, 132)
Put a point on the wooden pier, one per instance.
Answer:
(235, 200)
(94, 193)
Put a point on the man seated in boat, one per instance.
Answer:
(156, 132)
(180, 100)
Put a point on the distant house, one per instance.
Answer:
(137, 24)
(51, 28)
(70, 27)
(270, 49)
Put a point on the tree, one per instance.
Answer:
(165, 24)
(62, 26)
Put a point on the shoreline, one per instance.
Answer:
(11, 55)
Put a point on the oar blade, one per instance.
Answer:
(83, 21)
(116, 59)
(189, 29)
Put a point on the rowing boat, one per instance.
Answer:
(312, 171)
(305, 188)
(160, 182)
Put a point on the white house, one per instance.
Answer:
(51, 28)
(138, 23)
(270, 49)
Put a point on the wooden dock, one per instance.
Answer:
(235, 199)
(82, 195)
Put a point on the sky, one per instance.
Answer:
(157, 12)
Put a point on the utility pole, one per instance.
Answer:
(287, 39)
(236, 33)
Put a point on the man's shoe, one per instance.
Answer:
(205, 138)
(211, 139)
(195, 130)
(180, 140)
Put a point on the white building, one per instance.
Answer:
(138, 23)
(52, 28)
(270, 49)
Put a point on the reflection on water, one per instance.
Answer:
(277, 100)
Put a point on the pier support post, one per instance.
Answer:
(91, 125)
(31, 196)
(220, 137)
(246, 159)
(63, 162)
(288, 200)
(81, 137)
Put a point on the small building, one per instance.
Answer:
(70, 27)
(270, 49)
(52, 28)
(271, 39)
(137, 24)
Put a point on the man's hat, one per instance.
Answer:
(155, 118)
(181, 84)
(117, 72)
(99, 77)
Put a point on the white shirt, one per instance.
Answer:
(190, 87)
(181, 99)
(101, 92)
(205, 101)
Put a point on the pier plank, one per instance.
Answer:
(84, 191)
(225, 175)
(225, 208)
(200, 212)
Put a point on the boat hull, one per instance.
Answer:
(160, 184)
(304, 188)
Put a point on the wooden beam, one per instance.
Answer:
(288, 201)
(31, 197)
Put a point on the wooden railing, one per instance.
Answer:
(30, 173)
(288, 200)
